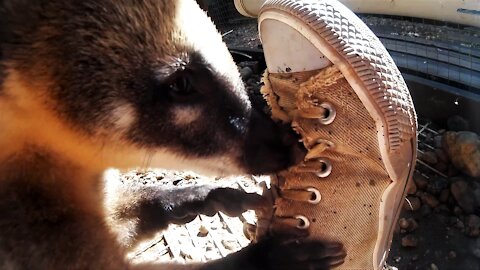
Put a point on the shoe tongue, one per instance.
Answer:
(283, 101)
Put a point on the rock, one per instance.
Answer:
(425, 210)
(442, 208)
(433, 267)
(246, 73)
(403, 223)
(452, 255)
(202, 231)
(458, 224)
(412, 203)
(420, 181)
(476, 252)
(252, 82)
(409, 240)
(437, 141)
(463, 149)
(444, 195)
(411, 188)
(441, 156)
(452, 171)
(407, 225)
(430, 200)
(457, 123)
(429, 157)
(463, 194)
(436, 185)
(475, 248)
(472, 225)
(441, 167)
(458, 211)
(230, 244)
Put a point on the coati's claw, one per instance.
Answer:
(230, 201)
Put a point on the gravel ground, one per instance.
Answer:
(439, 227)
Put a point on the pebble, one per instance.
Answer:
(476, 252)
(252, 82)
(441, 155)
(433, 266)
(472, 225)
(411, 188)
(437, 141)
(452, 255)
(442, 208)
(457, 223)
(403, 223)
(452, 171)
(409, 240)
(246, 73)
(463, 149)
(429, 157)
(409, 225)
(457, 211)
(202, 231)
(475, 248)
(412, 203)
(436, 185)
(444, 195)
(457, 123)
(463, 194)
(425, 210)
(230, 244)
(430, 200)
(420, 181)
(441, 167)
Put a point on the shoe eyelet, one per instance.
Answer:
(316, 196)
(303, 222)
(325, 168)
(330, 113)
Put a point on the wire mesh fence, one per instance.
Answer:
(442, 51)
(446, 52)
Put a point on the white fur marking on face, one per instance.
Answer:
(183, 115)
(123, 116)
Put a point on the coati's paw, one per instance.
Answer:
(230, 201)
(296, 254)
(280, 254)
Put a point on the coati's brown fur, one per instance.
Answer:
(88, 85)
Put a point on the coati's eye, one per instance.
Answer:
(181, 87)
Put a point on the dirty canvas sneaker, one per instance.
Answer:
(331, 78)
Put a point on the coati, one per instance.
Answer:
(93, 84)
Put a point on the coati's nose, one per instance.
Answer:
(270, 147)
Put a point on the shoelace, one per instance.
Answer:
(314, 162)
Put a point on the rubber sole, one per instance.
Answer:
(351, 46)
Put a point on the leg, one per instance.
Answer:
(137, 211)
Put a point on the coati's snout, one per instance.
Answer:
(270, 146)
(130, 83)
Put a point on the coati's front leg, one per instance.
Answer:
(270, 254)
(137, 211)
(146, 209)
